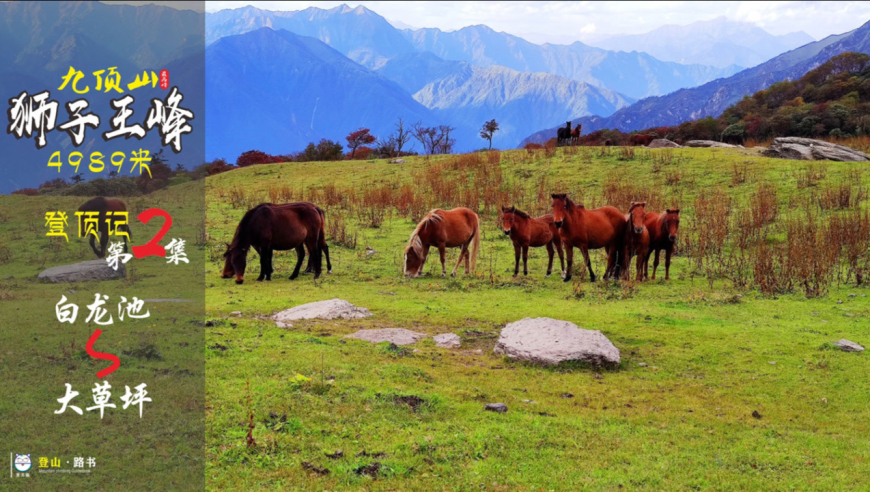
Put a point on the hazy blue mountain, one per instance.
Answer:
(369, 39)
(713, 98)
(463, 94)
(40, 41)
(276, 91)
(362, 35)
(634, 74)
(718, 42)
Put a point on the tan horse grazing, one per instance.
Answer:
(636, 241)
(457, 228)
(588, 229)
(525, 231)
(269, 227)
(103, 205)
(662, 236)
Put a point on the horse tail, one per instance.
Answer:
(475, 243)
(317, 250)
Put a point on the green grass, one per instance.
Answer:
(714, 355)
(164, 449)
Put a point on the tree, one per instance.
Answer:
(426, 135)
(445, 143)
(488, 130)
(325, 150)
(359, 138)
(401, 137)
(253, 157)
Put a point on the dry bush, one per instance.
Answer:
(280, 194)
(842, 195)
(710, 226)
(619, 191)
(740, 173)
(850, 232)
(764, 205)
(810, 256)
(809, 176)
(338, 234)
(769, 270)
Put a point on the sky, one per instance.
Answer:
(565, 22)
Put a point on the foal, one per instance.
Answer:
(662, 236)
(525, 231)
(636, 241)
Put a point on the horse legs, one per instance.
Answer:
(516, 259)
(655, 264)
(104, 241)
(265, 263)
(668, 251)
(93, 246)
(585, 250)
(550, 254)
(462, 253)
(561, 257)
(525, 260)
(467, 259)
(641, 264)
(569, 253)
(325, 250)
(442, 250)
(300, 255)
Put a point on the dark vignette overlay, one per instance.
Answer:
(102, 246)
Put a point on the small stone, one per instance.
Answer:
(530, 402)
(756, 414)
(328, 310)
(839, 302)
(853, 295)
(496, 407)
(447, 340)
(642, 364)
(236, 313)
(847, 346)
(280, 324)
(567, 395)
(773, 362)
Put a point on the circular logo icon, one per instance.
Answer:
(22, 463)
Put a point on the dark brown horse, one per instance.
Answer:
(563, 135)
(269, 227)
(525, 231)
(662, 236)
(457, 228)
(102, 206)
(636, 241)
(588, 229)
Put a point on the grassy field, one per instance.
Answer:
(720, 386)
(164, 449)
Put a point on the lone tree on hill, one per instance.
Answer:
(359, 138)
(488, 130)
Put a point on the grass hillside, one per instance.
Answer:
(728, 380)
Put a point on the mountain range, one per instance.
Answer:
(370, 40)
(718, 42)
(712, 98)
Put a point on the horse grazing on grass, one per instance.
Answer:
(563, 135)
(636, 241)
(269, 227)
(456, 228)
(589, 229)
(662, 236)
(525, 231)
(575, 135)
(103, 206)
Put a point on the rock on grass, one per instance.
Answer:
(847, 346)
(551, 341)
(496, 407)
(447, 340)
(331, 309)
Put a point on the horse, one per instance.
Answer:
(588, 229)
(456, 228)
(102, 206)
(575, 135)
(525, 231)
(662, 236)
(268, 227)
(563, 134)
(636, 240)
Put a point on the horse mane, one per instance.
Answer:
(519, 212)
(237, 237)
(415, 242)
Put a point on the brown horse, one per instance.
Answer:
(525, 231)
(102, 206)
(457, 228)
(575, 135)
(563, 135)
(588, 229)
(636, 241)
(662, 236)
(269, 227)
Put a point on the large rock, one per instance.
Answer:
(709, 143)
(399, 336)
(847, 346)
(83, 271)
(808, 149)
(551, 341)
(331, 309)
(663, 143)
